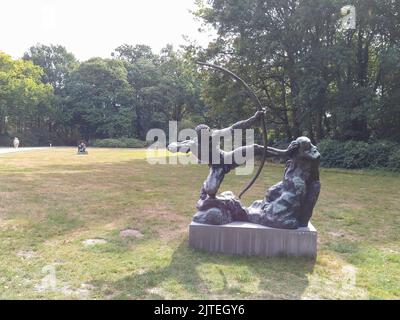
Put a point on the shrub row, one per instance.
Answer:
(360, 155)
(119, 143)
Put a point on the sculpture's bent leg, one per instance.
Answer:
(214, 180)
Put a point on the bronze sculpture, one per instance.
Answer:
(288, 204)
(82, 148)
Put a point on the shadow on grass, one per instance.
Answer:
(198, 275)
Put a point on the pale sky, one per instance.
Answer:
(89, 28)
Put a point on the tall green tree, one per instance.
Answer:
(56, 62)
(25, 102)
(98, 99)
(165, 87)
(133, 54)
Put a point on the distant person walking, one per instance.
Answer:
(16, 143)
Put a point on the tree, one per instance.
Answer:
(165, 87)
(25, 102)
(132, 54)
(98, 99)
(56, 62)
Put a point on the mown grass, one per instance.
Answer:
(53, 200)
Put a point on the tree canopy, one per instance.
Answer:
(314, 77)
(25, 102)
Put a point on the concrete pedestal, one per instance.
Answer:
(243, 238)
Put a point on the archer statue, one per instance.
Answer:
(287, 205)
(219, 161)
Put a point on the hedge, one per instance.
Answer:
(119, 143)
(360, 155)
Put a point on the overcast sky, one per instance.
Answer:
(91, 28)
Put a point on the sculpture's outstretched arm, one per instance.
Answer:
(248, 123)
(241, 125)
(183, 146)
(273, 152)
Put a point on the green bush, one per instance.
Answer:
(360, 155)
(119, 143)
(394, 161)
(332, 153)
(379, 153)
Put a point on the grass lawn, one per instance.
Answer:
(53, 200)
